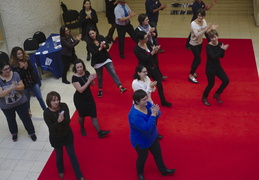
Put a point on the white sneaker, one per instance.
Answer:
(193, 79)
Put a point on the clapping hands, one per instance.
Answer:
(155, 108)
(225, 47)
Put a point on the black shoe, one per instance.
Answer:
(205, 101)
(101, 134)
(217, 97)
(100, 93)
(122, 89)
(164, 77)
(165, 103)
(83, 132)
(168, 172)
(33, 137)
(15, 137)
(61, 175)
(161, 50)
(113, 41)
(188, 47)
(141, 176)
(122, 56)
(66, 82)
(160, 136)
(88, 58)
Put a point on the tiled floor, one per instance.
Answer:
(24, 159)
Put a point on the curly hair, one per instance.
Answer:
(14, 61)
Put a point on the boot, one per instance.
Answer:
(205, 101)
(217, 97)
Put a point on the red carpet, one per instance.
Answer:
(220, 142)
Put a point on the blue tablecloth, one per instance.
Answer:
(48, 56)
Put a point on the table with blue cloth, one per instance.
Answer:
(48, 56)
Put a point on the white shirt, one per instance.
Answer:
(144, 85)
(196, 32)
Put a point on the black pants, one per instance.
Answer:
(196, 51)
(122, 30)
(73, 159)
(67, 60)
(211, 73)
(155, 74)
(155, 150)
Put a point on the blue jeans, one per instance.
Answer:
(22, 111)
(73, 159)
(36, 90)
(110, 68)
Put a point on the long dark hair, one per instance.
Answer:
(84, 4)
(62, 31)
(95, 30)
(138, 69)
(14, 61)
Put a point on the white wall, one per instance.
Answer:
(21, 19)
(98, 5)
(256, 12)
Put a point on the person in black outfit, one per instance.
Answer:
(147, 54)
(57, 118)
(110, 5)
(199, 4)
(215, 50)
(83, 98)
(152, 10)
(101, 59)
(88, 19)
(68, 44)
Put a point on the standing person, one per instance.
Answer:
(122, 18)
(144, 26)
(215, 50)
(57, 118)
(146, 55)
(198, 28)
(142, 81)
(143, 133)
(152, 10)
(88, 19)
(13, 100)
(199, 4)
(83, 98)
(110, 5)
(100, 59)
(21, 64)
(68, 53)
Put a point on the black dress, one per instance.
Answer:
(84, 102)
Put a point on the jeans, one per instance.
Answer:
(36, 90)
(211, 73)
(196, 51)
(22, 111)
(110, 68)
(73, 159)
(155, 150)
